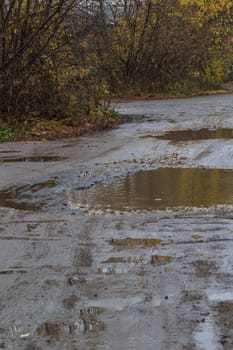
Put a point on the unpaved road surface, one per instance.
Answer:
(82, 267)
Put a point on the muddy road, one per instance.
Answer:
(122, 239)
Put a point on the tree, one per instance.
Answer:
(58, 56)
(154, 45)
(34, 37)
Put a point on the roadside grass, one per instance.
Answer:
(35, 128)
(70, 126)
(6, 132)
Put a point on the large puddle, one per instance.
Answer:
(197, 134)
(147, 190)
(162, 188)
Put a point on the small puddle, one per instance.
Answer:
(12, 272)
(9, 151)
(220, 296)
(153, 260)
(205, 337)
(28, 197)
(122, 260)
(81, 326)
(197, 134)
(117, 303)
(161, 188)
(32, 159)
(160, 259)
(130, 243)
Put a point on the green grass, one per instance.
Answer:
(6, 132)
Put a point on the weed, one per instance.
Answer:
(5, 132)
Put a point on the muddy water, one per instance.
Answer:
(162, 188)
(28, 197)
(131, 243)
(197, 134)
(146, 190)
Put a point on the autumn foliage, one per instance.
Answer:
(62, 57)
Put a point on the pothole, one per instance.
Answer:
(195, 134)
(157, 189)
(160, 189)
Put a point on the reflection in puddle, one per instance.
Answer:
(207, 333)
(70, 301)
(220, 296)
(154, 259)
(49, 328)
(32, 159)
(91, 310)
(121, 260)
(12, 272)
(160, 259)
(23, 197)
(205, 337)
(56, 329)
(193, 187)
(225, 312)
(7, 152)
(80, 326)
(113, 270)
(117, 303)
(197, 134)
(147, 190)
(129, 243)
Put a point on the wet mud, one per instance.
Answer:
(110, 276)
(32, 159)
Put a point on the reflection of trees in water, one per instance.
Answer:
(182, 186)
(165, 187)
(202, 134)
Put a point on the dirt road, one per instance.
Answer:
(122, 239)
